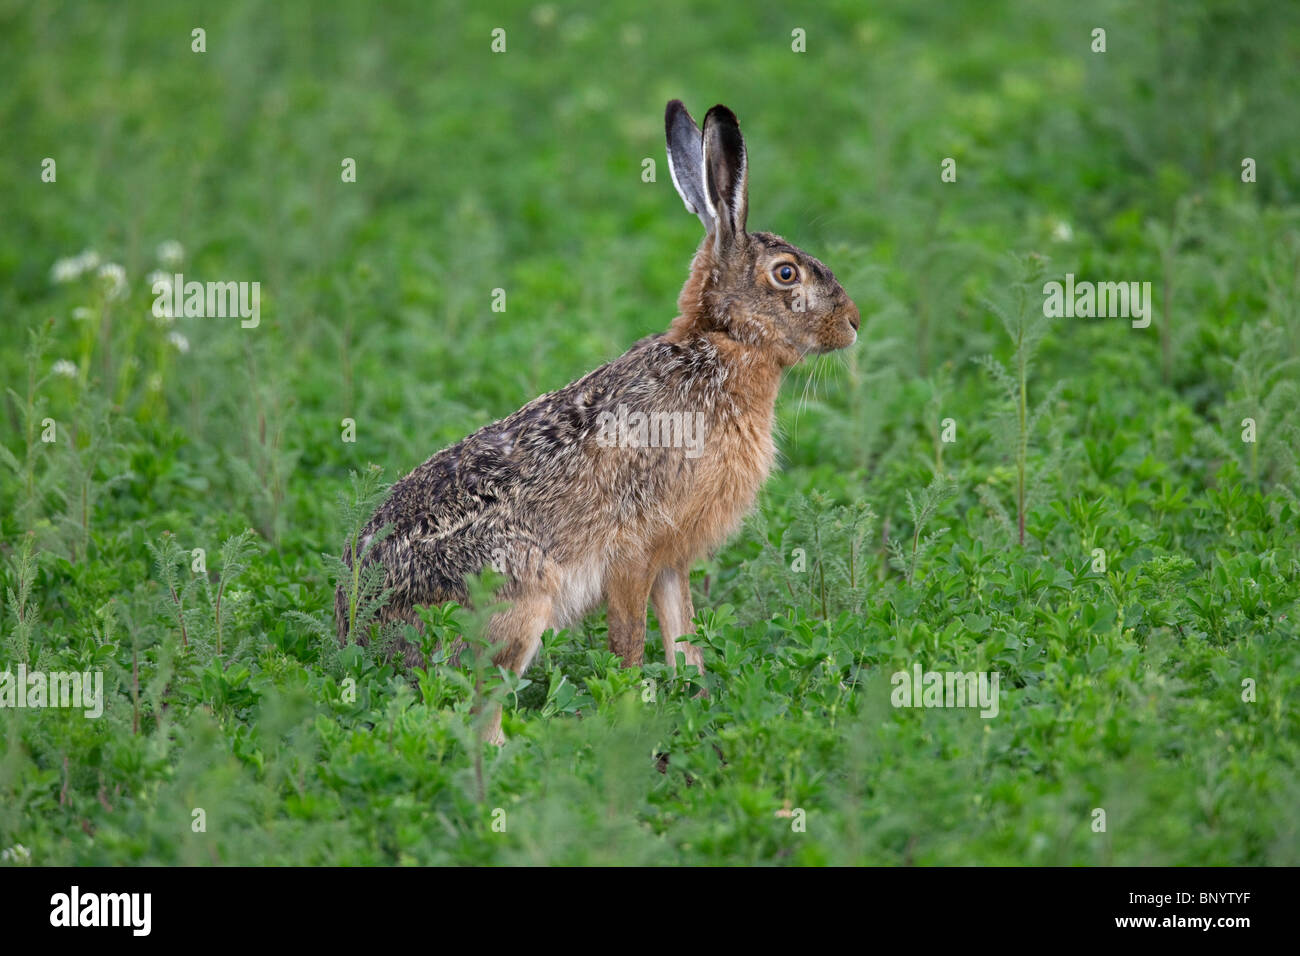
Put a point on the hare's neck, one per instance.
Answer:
(752, 381)
(738, 384)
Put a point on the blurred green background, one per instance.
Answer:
(522, 171)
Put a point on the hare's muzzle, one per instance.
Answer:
(849, 312)
(839, 329)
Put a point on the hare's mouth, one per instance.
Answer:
(844, 343)
(840, 339)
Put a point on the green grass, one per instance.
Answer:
(876, 546)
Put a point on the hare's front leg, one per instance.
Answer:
(626, 593)
(516, 634)
(671, 595)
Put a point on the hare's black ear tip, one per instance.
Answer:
(721, 114)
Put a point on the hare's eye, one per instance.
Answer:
(785, 273)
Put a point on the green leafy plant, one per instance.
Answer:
(1026, 325)
(363, 586)
(31, 411)
(24, 612)
(921, 510)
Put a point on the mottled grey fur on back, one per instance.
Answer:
(502, 497)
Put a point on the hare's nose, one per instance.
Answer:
(855, 319)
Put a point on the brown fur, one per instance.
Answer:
(574, 520)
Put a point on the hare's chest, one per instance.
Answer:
(736, 461)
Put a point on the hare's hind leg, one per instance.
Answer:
(517, 634)
(671, 595)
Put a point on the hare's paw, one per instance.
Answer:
(491, 732)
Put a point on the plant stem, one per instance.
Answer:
(221, 588)
(135, 690)
(1023, 440)
(356, 585)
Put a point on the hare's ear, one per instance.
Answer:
(685, 162)
(726, 173)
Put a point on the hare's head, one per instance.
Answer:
(753, 286)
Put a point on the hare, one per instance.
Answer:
(608, 489)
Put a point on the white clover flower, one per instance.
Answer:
(65, 368)
(81, 313)
(1061, 231)
(155, 382)
(181, 342)
(15, 854)
(544, 15)
(114, 277)
(170, 252)
(153, 278)
(65, 270)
